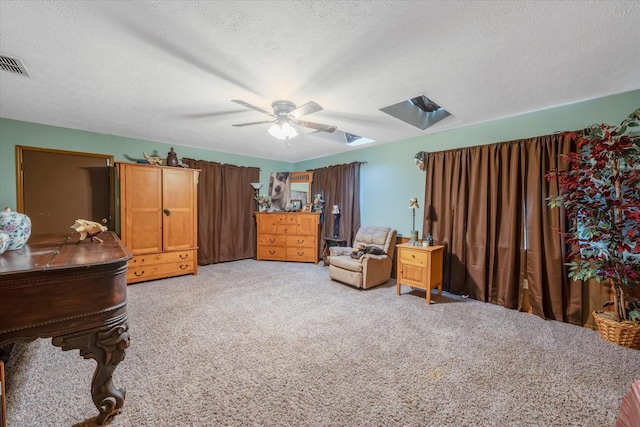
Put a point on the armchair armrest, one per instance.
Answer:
(340, 250)
(373, 257)
(376, 269)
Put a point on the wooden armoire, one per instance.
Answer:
(158, 220)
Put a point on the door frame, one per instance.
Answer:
(20, 175)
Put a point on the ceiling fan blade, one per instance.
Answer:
(253, 123)
(253, 107)
(316, 126)
(303, 110)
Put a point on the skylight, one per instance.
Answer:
(350, 139)
(420, 112)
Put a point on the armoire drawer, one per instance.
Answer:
(163, 258)
(160, 270)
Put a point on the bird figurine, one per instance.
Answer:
(88, 228)
(154, 160)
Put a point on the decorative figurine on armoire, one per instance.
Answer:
(172, 158)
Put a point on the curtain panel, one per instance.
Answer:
(487, 204)
(226, 225)
(339, 185)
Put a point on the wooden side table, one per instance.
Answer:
(420, 267)
(328, 243)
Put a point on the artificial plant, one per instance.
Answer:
(600, 193)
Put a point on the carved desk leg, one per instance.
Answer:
(106, 345)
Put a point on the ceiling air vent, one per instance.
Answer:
(13, 65)
(420, 112)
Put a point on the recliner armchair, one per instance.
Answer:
(367, 270)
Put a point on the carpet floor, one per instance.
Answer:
(250, 343)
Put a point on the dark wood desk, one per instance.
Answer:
(75, 293)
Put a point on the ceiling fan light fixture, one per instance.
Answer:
(282, 130)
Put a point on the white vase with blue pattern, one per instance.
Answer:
(5, 239)
(17, 225)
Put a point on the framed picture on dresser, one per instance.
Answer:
(296, 205)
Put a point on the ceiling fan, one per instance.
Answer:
(285, 114)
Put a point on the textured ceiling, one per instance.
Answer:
(167, 70)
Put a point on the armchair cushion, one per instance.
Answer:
(362, 250)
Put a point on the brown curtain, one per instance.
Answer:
(480, 219)
(339, 185)
(446, 213)
(476, 200)
(226, 226)
(552, 294)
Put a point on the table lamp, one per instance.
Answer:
(256, 187)
(336, 222)
(413, 205)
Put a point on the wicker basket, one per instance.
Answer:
(624, 334)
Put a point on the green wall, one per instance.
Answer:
(388, 180)
(390, 177)
(13, 132)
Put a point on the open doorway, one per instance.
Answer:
(57, 187)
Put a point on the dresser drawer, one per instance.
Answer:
(301, 254)
(163, 258)
(272, 252)
(157, 271)
(300, 241)
(272, 240)
(287, 229)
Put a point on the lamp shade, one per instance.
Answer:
(282, 130)
(256, 185)
(413, 203)
(335, 210)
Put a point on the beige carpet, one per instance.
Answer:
(279, 344)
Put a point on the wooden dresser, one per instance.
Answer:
(288, 236)
(158, 220)
(420, 267)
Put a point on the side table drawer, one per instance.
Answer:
(413, 257)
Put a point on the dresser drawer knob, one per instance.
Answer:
(184, 256)
(139, 273)
(272, 240)
(184, 266)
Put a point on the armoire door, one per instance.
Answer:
(179, 209)
(141, 225)
(57, 187)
